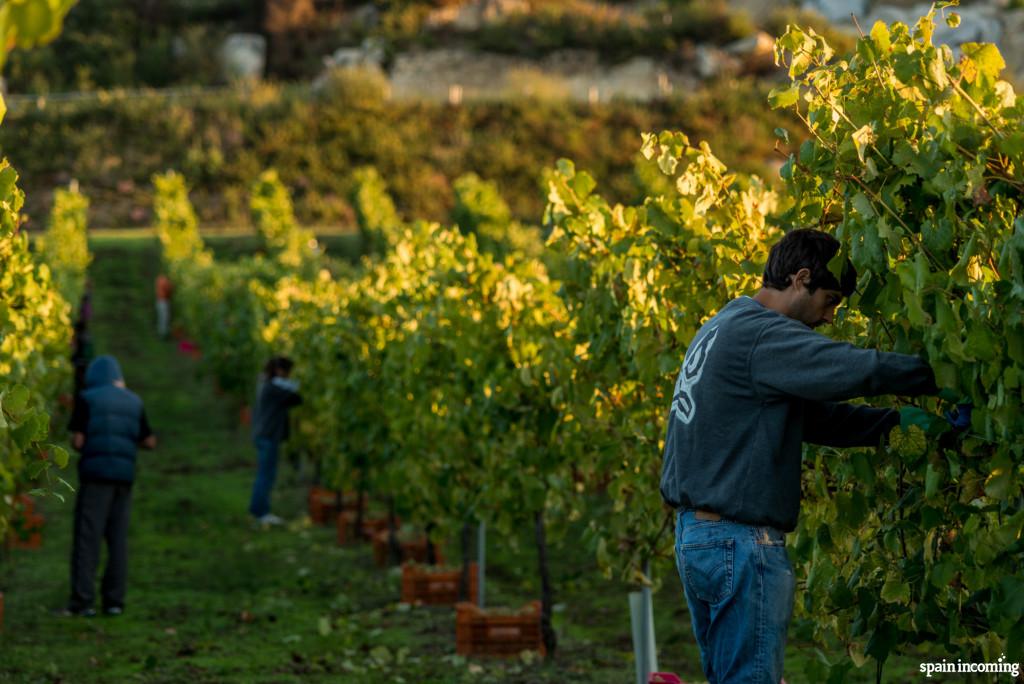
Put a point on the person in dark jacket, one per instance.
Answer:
(108, 424)
(756, 383)
(277, 394)
(81, 355)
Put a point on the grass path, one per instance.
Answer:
(212, 599)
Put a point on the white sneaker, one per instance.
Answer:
(270, 519)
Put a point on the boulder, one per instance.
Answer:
(711, 62)
(471, 16)
(838, 11)
(756, 53)
(369, 54)
(243, 56)
(1012, 43)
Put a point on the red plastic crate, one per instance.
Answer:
(492, 633)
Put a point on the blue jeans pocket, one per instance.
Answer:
(707, 569)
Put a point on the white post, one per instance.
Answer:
(481, 562)
(649, 640)
(454, 94)
(664, 85)
(641, 612)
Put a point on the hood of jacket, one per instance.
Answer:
(104, 370)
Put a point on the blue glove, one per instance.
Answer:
(960, 417)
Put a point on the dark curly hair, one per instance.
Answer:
(278, 363)
(810, 249)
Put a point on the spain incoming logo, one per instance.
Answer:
(683, 406)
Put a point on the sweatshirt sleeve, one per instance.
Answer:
(847, 425)
(789, 360)
(282, 392)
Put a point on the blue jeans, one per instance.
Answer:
(266, 473)
(739, 586)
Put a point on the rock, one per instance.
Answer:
(1012, 44)
(367, 16)
(472, 15)
(497, 10)
(243, 56)
(711, 62)
(838, 11)
(758, 10)
(436, 74)
(370, 53)
(443, 16)
(755, 53)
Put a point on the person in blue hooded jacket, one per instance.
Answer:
(108, 424)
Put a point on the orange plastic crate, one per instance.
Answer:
(26, 527)
(412, 550)
(484, 632)
(346, 522)
(323, 504)
(435, 586)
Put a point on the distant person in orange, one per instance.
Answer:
(164, 290)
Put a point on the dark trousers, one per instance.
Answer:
(101, 512)
(266, 473)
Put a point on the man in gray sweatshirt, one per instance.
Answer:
(756, 383)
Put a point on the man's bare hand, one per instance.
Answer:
(149, 442)
(78, 440)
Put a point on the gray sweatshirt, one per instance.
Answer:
(754, 385)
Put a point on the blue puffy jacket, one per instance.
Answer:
(114, 425)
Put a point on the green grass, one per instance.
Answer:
(211, 599)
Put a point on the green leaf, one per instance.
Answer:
(863, 138)
(582, 184)
(34, 20)
(986, 57)
(862, 469)
(932, 480)
(863, 205)
(942, 574)
(880, 34)
(16, 399)
(952, 20)
(896, 590)
(59, 455)
(783, 97)
(1012, 144)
